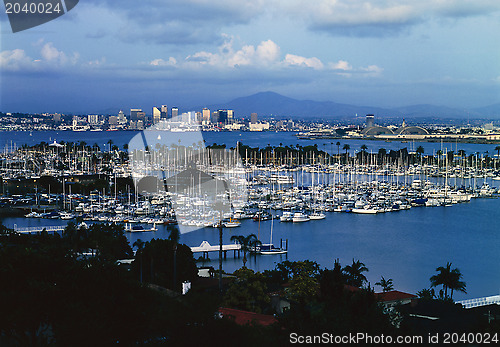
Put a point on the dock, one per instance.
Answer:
(39, 229)
(206, 247)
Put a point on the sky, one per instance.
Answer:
(105, 55)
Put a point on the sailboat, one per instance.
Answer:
(267, 249)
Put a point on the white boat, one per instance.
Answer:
(299, 217)
(317, 216)
(138, 228)
(66, 215)
(268, 249)
(232, 223)
(286, 216)
(365, 210)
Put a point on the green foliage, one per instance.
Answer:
(354, 273)
(247, 292)
(386, 285)
(450, 279)
(157, 259)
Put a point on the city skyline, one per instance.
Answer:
(102, 55)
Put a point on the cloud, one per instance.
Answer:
(50, 58)
(265, 57)
(295, 60)
(381, 17)
(340, 65)
(14, 60)
(160, 62)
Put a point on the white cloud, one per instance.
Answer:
(340, 65)
(295, 60)
(160, 62)
(49, 58)
(14, 60)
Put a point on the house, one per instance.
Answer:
(245, 317)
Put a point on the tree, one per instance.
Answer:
(140, 245)
(302, 277)
(386, 285)
(346, 148)
(174, 236)
(449, 279)
(354, 273)
(247, 292)
(248, 243)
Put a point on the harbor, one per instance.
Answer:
(326, 206)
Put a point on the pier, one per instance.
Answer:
(206, 247)
(39, 229)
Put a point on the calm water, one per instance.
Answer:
(254, 139)
(406, 246)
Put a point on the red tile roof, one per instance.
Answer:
(394, 295)
(245, 317)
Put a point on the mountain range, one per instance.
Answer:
(273, 104)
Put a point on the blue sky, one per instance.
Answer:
(121, 54)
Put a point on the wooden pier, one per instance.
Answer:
(206, 247)
(39, 229)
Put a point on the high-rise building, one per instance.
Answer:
(222, 116)
(370, 120)
(93, 119)
(215, 117)
(134, 114)
(253, 118)
(205, 114)
(164, 112)
(175, 112)
(113, 120)
(156, 115)
(121, 118)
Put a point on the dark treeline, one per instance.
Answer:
(68, 290)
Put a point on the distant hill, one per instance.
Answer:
(267, 104)
(270, 103)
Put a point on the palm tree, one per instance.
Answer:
(386, 285)
(449, 279)
(140, 245)
(455, 282)
(354, 273)
(248, 243)
(338, 148)
(174, 237)
(497, 148)
(346, 148)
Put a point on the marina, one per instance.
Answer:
(367, 207)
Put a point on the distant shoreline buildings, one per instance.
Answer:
(165, 118)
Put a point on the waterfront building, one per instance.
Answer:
(222, 116)
(113, 120)
(370, 120)
(259, 126)
(134, 114)
(93, 119)
(175, 112)
(164, 112)
(205, 114)
(253, 118)
(121, 118)
(156, 115)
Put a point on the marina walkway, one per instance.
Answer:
(39, 229)
(206, 247)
